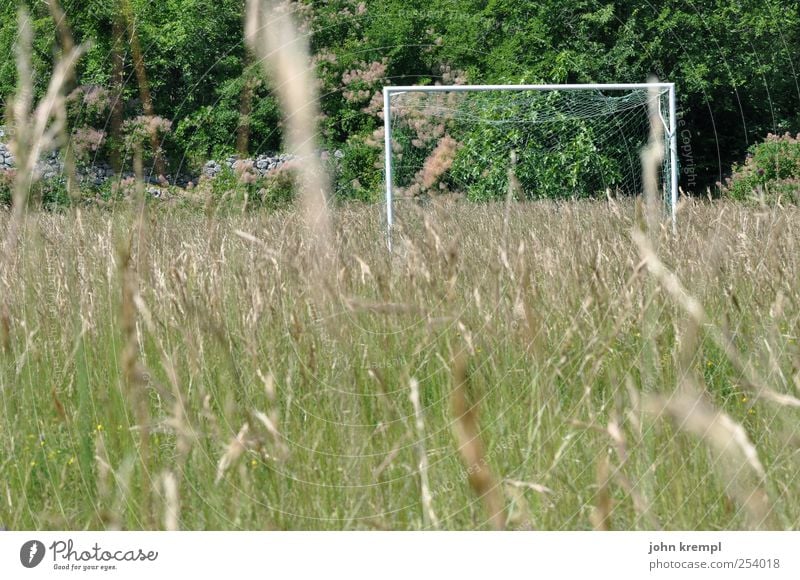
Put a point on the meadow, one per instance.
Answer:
(536, 366)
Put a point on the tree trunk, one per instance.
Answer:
(67, 43)
(144, 88)
(118, 85)
(245, 108)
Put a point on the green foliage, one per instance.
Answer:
(556, 159)
(49, 195)
(770, 172)
(206, 134)
(576, 169)
(241, 189)
(276, 190)
(210, 131)
(6, 188)
(731, 60)
(714, 56)
(41, 58)
(359, 175)
(225, 184)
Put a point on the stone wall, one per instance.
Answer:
(51, 166)
(6, 158)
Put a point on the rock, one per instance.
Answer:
(211, 169)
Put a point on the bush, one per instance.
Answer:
(770, 172)
(6, 188)
(242, 188)
(51, 193)
(277, 189)
(359, 175)
(555, 160)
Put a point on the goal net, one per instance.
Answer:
(549, 141)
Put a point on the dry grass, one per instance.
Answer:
(262, 407)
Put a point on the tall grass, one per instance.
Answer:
(266, 410)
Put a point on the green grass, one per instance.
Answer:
(557, 335)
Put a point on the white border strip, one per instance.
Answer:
(402, 555)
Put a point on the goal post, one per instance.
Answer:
(603, 105)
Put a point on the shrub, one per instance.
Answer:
(770, 172)
(138, 131)
(86, 142)
(87, 110)
(555, 160)
(359, 174)
(6, 187)
(206, 134)
(49, 194)
(242, 188)
(277, 188)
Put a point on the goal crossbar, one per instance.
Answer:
(670, 124)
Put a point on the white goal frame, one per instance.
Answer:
(670, 125)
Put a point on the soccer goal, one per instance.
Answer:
(560, 141)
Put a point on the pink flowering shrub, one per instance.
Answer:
(770, 172)
(124, 187)
(361, 83)
(422, 140)
(242, 187)
(351, 97)
(138, 132)
(278, 187)
(449, 75)
(88, 103)
(140, 128)
(429, 178)
(87, 110)
(245, 171)
(86, 142)
(96, 98)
